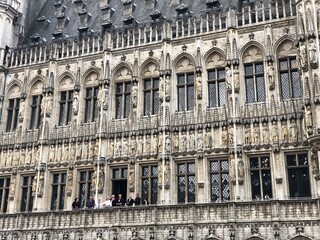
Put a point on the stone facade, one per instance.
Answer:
(209, 112)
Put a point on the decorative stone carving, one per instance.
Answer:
(75, 103)
(167, 175)
(51, 153)
(66, 153)
(22, 108)
(15, 157)
(59, 153)
(29, 157)
(160, 142)
(101, 98)
(12, 186)
(85, 150)
(284, 131)
(232, 168)
(314, 161)
(224, 136)
(266, 135)
(111, 148)
(147, 148)
(236, 79)
(167, 144)
(270, 74)
(303, 57)
(256, 134)
(293, 131)
(240, 171)
(41, 184)
(229, 79)
(23, 156)
(118, 148)
(79, 151)
(125, 147)
(96, 149)
(199, 86)
(247, 135)
(69, 182)
(313, 54)
(230, 136)
(34, 185)
(308, 117)
(140, 145)
(133, 146)
(73, 151)
(167, 86)
(200, 142)
(208, 139)
(192, 142)
(134, 94)
(9, 158)
(154, 144)
(275, 131)
(175, 142)
(131, 179)
(98, 179)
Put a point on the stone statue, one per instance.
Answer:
(176, 142)
(183, 143)
(236, 79)
(29, 157)
(134, 93)
(303, 56)
(167, 86)
(59, 153)
(131, 180)
(85, 150)
(200, 142)
(9, 158)
(35, 155)
(160, 174)
(275, 130)
(140, 145)
(314, 161)
(231, 135)
(75, 103)
(101, 98)
(293, 131)
(79, 151)
(22, 108)
(232, 168)
(147, 148)
(69, 182)
(43, 103)
(240, 170)
(111, 148)
(16, 157)
(229, 79)
(125, 147)
(101, 180)
(224, 136)
(312, 52)
(96, 149)
(4, 158)
(49, 104)
(23, 156)
(73, 152)
(41, 184)
(308, 117)
(208, 139)
(34, 185)
(247, 135)
(167, 174)
(66, 153)
(266, 135)
(168, 144)
(51, 153)
(199, 86)
(270, 74)
(160, 142)
(284, 132)
(118, 148)
(133, 146)
(154, 144)
(12, 186)
(256, 135)
(192, 142)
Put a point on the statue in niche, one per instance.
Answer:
(232, 168)
(314, 161)
(293, 131)
(240, 170)
(16, 157)
(118, 148)
(92, 149)
(111, 147)
(9, 158)
(51, 153)
(22, 108)
(167, 174)
(101, 98)
(284, 132)
(59, 153)
(140, 145)
(160, 173)
(75, 103)
(208, 139)
(167, 144)
(79, 151)
(183, 143)
(192, 142)
(134, 94)
(133, 146)
(131, 180)
(167, 86)
(49, 104)
(69, 182)
(275, 131)
(4, 158)
(98, 179)
(23, 156)
(224, 136)
(229, 79)
(313, 52)
(176, 142)
(270, 74)
(96, 149)
(231, 133)
(66, 153)
(34, 185)
(34, 155)
(308, 117)
(266, 135)
(247, 135)
(154, 144)
(41, 184)
(256, 134)
(200, 142)
(160, 142)
(124, 147)
(199, 86)
(303, 56)
(12, 186)
(147, 149)
(236, 79)
(73, 151)
(85, 150)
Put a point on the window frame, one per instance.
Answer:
(123, 95)
(12, 114)
(91, 113)
(216, 81)
(185, 86)
(83, 197)
(254, 76)
(151, 197)
(186, 174)
(219, 172)
(36, 111)
(66, 105)
(4, 193)
(153, 91)
(29, 198)
(61, 191)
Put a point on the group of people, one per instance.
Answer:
(110, 202)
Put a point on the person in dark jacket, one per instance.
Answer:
(90, 202)
(113, 200)
(76, 204)
(121, 201)
(130, 201)
(137, 201)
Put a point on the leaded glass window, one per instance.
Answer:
(85, 186)
(151, 96)
(261, 185)
(58, 191)
(36, 118)
(290, 85)
(255, 83)
(123, 95)
(91, 104)
(4, 193)
(26, 196)
(217, 88)
(219, 180)
(185, 91)
(186, 182)
(65, 108)
(149, 183)
(13, 113)
(298, 175)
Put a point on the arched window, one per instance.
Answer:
(289, 78)
(217, 92)
(13, 108)
(123, 92)
(36, 99)
(150, 75)
(254, 75)
(185, 84)
(66, 99)
(91, 94)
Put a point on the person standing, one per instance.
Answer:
(75, 204)
(137, 200)
(90, 202)
(121, 201)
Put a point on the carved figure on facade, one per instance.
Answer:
(232, 168)
(23, 156)
(66, 153)
(313, 53)
(101, 97)
(167, 174)
(51, 153)
(308, 117)
(134, 93)
(183, 143)
(98, 179)
(49, 104)
(73, 151)
(125, 147)
(12, 186)
(256, 134)
(240, 171)
(275, 131)
(36, 153)
(133, 146)
(9, 158)
(111, 147)
(175, 142)
(131, 180)
(160, 174)
(230, 136)
(75, 103)
(118, 148)
(160, 142)
(140, 145)
(96, 149)
(154, 144)
(69, 182)
(293, 131)
(167, 144)
(284, 131)
(4, 158)
(314, 161)
(270, 74)
(199, 86)
(192, 143)
(224, 136)
(29, 156)
(303, 56)
(34, 186)
(200, 142)
(79, 151)
(208, 139)
(85, 150)
(41, 184)
(229, 79)
(167, 86)
(266, 135)
(16, 157)
(247, 134)
(236, 79)
(147, 149)
(59, 153)
(22, 108)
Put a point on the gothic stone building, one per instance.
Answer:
(209, 109)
